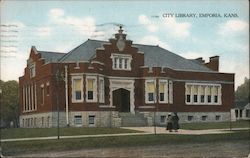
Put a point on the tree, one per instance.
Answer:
(9, 103)
(242, 92)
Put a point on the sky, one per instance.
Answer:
(189, 28)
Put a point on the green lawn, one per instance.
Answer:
(45, 132)
(14, 148)
(215, 125)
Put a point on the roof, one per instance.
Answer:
(241, 104)
(154, 56)
(51, 56)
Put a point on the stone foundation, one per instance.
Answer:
(112, 119)
(187, 117)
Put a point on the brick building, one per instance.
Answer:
(118, 83)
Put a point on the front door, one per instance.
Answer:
(121, 99)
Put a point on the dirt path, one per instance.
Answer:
(236, 149)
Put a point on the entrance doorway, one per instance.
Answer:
(121, 99)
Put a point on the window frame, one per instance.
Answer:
(94, 88)
(121, 61)
(74, 100)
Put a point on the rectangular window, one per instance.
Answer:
(209, 98)
(126, 64)
(217, 117)
(204, 118)
(188, 94)
(90, 83)
(163, 119)
(202, 98)
(216, 99)
(236, 113)
(163, 91)
(91, 120)
(77, 89)
(240, 113)
(32, 70)
(195, 98)
(150, 90)
(78, 119)
(188, 99)
(190, 118)
(150, 96)
(120, 63)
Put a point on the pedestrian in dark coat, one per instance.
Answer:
(176, 122)
(169, 123)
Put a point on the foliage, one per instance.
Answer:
(9, 103)
(242, 92)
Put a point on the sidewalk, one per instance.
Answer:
(144, 130)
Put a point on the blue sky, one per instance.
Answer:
(63, 25)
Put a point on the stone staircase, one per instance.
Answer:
(132, 120)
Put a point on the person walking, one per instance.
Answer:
(176, 125)
(169, 122)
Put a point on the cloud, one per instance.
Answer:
(43, 31)
(143, 19)
(177, 29)
(56, 13)
(85, 25)
(153, 40)
(232, 26)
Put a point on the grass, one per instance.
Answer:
(15, 148)
(215, 125)
(45, 132)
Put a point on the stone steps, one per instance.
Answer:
(132, 120)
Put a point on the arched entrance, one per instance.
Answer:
(121, 99)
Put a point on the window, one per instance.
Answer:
(195, 93)
(78, 119)
(236, 113)
(209, 98)
(203, 93)
(90, 84)
(163, 91)
(101, 90)
(32, 70)
(217, 117)
(42, 94)
(208, 93)
(204, 118)
(150, 90)
(48, 122)
(121, 61)
(240, 113)
(195, 98)
(188, 93)
(163, 119)
(42, 121)
(91, 120)
(190, 118)
(77, 89)
(202, 98)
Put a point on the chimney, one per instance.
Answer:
(200, 60)
(213, 63)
